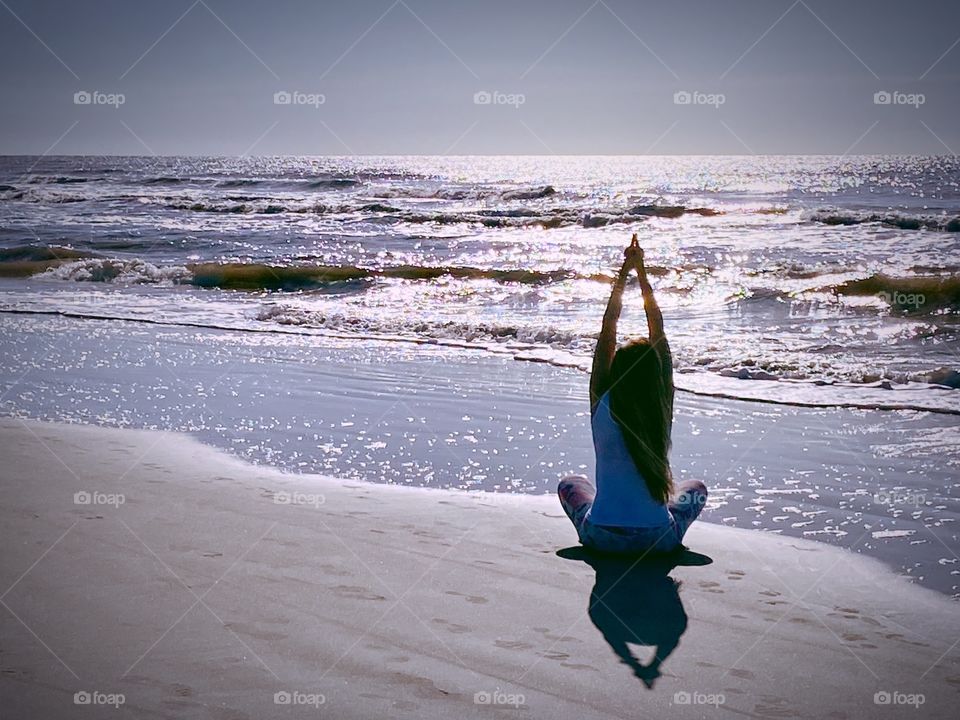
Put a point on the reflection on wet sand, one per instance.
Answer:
(636, 601)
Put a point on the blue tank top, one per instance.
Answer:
(623, 499)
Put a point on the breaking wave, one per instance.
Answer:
(83, 267)
(916, 293)
(941, 223)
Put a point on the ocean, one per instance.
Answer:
(839, 277)
(806, 299)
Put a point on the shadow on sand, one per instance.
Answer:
(636, 601)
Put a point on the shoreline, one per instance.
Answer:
(389, 600)
(881, 395)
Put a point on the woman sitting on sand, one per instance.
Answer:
(631, 407)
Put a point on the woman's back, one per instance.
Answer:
(623, 499)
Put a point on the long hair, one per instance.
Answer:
(641, 398)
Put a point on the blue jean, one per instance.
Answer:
(576, 496)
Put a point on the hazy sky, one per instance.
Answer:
(564, 76)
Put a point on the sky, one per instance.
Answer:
(463, 77)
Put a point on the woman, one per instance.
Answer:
(631, 409)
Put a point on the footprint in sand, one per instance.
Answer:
(451, 627)
(556, 638)
(512, 644)
(356, 593)
(475, 599)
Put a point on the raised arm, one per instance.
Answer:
(654, 316)
(607, 342)
(658, 339)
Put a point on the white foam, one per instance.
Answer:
(124, 272)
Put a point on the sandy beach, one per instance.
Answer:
(308, 311)
(194, 585)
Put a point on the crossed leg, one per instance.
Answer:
(687, 506)
(576, 496)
